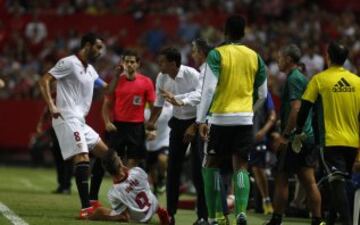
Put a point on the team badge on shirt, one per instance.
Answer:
(137, 100)
(60, 64)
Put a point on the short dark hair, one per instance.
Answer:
(131, 52)
(88, 38)
(202, 45)
(235, 27)
(172, 55)
(337, 53)
(293, 51)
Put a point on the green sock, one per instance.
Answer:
(242, 190)
(219, 208)
(212, 187)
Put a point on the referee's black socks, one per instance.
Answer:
(82, 170)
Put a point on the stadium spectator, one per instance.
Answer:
(338, 90)
(230, 113)
(179, 84)
(75, 80)
(289, 161)
(314, 62)
(35, 30)
(188, 30)
(265, 35)
(155, 37)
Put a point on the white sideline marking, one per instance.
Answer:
(10, 215)
(27, 183)
(47, 178)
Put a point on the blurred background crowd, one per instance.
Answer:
(35, 34)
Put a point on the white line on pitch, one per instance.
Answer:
(27, 183)
(47, 178)
(10, 215)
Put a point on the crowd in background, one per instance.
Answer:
(28, 52)
(28, 49)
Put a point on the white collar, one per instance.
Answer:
(180, 73)
(202, 66)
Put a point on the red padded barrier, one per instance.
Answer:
(18, 121)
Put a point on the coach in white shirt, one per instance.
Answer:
(75, 81)
(179, 80)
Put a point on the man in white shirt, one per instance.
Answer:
(75, 81)
(130, 197)
(183, 82)
(35, 30)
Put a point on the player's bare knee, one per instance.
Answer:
(307, 177)
(100, 149)
(239, 163)
(82, 157)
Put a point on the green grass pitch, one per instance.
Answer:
(27, 192)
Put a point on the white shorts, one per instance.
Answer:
(74, 136)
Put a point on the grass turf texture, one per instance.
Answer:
(27, 192)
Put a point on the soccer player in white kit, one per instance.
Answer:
(75, 80)
(130, 197)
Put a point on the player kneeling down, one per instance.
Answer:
(130, 197)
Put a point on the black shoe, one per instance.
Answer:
(201, 222)
(65, 191)
(271, 222)
(241, 219)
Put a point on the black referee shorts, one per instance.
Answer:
(128, 140)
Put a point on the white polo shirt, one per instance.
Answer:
(75, 86)
(185, 87)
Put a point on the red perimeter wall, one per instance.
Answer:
(18, 121)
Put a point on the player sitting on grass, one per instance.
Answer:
(130, 197)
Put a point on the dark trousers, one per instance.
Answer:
(64, 169)
(177, 149)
